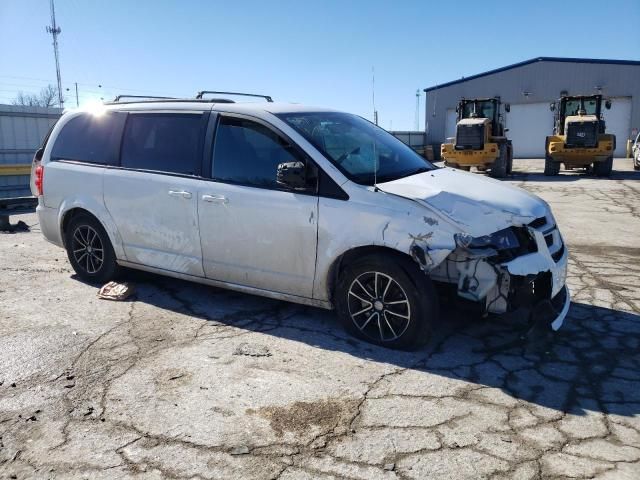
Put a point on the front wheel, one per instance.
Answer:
(603, 169)
(551, 168)
(386, 302)
(89, 250)
(501, 164)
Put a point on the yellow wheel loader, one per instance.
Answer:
(480, 139)
(579, 139)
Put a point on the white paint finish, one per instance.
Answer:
(478, 205)
(258, 237)
(529, 124)
(618, 121)
(264, 241)
(231, 286)
(70, 185)
(376, 218)
(158, 226)
(541, 261)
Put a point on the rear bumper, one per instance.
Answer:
(49, 224)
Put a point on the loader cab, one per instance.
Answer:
(579, 106)
(478, 108)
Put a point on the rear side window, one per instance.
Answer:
(248, 153)
(90, 138)
(165, 142)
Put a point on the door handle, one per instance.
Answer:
(221, 199)
(180, 193)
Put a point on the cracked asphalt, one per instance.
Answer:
(187, 381)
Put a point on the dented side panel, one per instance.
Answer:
(393, 222)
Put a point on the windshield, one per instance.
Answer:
(357, 147)
(573, 106)
(484, 109)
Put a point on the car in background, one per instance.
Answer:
(303, 204)
(635, 153)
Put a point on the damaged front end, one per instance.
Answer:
(520, 268)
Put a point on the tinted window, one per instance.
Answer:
(167, 142)
(248, 153)
(90, 138)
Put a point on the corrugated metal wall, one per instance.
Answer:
(412, 138)
(542, 81)
(22, 130)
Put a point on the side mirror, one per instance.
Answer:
(507, 107)
(292, 175)
(38, 156)
(552, 106)
(457, 109)
(607, 104)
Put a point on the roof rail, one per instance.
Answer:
(211, 92)
(120, 97)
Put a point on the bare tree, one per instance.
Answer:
(46, 98)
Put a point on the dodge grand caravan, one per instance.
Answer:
(302, 204)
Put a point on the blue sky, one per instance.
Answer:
(316, 53)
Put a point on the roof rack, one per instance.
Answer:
(120, 97)
(211, 92)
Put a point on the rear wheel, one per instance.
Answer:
(510, 159)
(386, 302)
(603, 169)
(89, 250)
(499, 167)
(551, 167)
(466, 169)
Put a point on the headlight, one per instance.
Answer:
(501, 240)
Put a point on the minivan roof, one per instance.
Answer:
(203, 106)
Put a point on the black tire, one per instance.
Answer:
(510, 159)
(450, 164)
(636, 164)
(405, 321)
(85, 239)
(551, 167)
(500, 165)
(603, 169)
(466, 169)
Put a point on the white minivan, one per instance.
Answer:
(302, 204)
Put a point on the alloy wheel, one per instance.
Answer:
(87, 249)
(379, 307)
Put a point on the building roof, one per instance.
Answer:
(535, 60)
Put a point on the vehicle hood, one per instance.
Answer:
(476, 204)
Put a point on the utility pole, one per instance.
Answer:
(55, 30)
(417, 110)
(77, 100)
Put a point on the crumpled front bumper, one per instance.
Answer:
(533, 284)
(563, 300)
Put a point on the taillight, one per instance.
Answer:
(39, 177)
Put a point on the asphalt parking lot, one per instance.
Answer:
(188, 381)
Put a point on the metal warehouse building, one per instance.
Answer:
(22, 130)
(530, 87)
